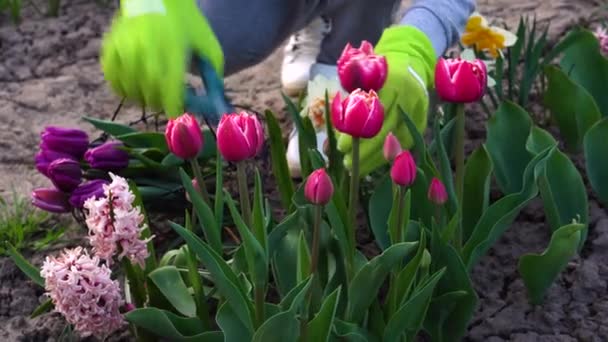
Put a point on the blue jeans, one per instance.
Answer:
(250, 30)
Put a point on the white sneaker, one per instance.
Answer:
(301, 53)
(293, 151)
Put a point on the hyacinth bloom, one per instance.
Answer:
(403, 171)
(361, 68)
(360, 114)
(483, 37)
(184, 136)
(391, 148)
(51, 200)
(45, 157)
(239, 136)
(65, 174)
(83, 292)
(115, 225)
(73, 142)
(602, 38)
(109, 156)
(90, 189)
(437, 193)
(460, 81)
(318, 188)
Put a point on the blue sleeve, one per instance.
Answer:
(441, 20)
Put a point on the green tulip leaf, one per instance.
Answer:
(538, 271)
(572, 107)
(203, 212)
(218, 208)
(319, 328)
(168, 325)
(451, 317)
(145, 140)
(280, 169)
(43, 308)
(369, 279)
(28, 269)
(350, 332)
(234, 329)
(294, 300)
(409, 317)
(279, 328)
(256, 256)
(445, 169)
(508, 132)
(380, 204)
(110, 127)
(539, 140)
(596, 145)
(476, 194)
(170, 283)
(303, 268)
(586, 65)
(227, 283)
(499, 216)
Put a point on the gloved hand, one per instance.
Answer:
(411, 63)
(148, 48)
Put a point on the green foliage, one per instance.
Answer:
(25, 227)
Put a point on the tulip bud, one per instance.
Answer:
(196, 187)
(319, 188)
(51, 200)
(129, 307)
(109, 157)
(239, 136)
(403, 171)
(360, 114)
(65, 174)
(361, 68)
(460, 81)
(437, 193)
(69, 141)
(184, 136)
(391, 148)
(45, 157)
(87, 190)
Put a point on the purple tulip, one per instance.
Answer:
(87, 190)
(66, 140)
(108, 156)
(51, 200)
(65, 174)
(45, 157)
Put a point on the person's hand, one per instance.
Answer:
(148, 48)
(411, 62)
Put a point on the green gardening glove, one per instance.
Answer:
(411, 63)
(149, 46)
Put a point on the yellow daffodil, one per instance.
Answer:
(483, 37)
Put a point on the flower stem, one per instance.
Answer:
(315, 239)
(400, 214)
(259, 305)
(352, 207)
(202, 310)
(241, 174)
(196, 168)
(459, 161)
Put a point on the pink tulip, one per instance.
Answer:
(360, 114)
(391, 148)
(361, 68)
(319, 188)
(437, 193)
(403, 172)
(239, 136)
(460, 81)
(184, 136)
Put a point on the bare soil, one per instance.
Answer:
(49, 74)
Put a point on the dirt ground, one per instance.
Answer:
(49, 74)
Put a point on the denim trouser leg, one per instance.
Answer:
(249, 30)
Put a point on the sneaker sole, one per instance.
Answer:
(293, 91)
